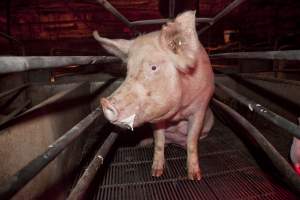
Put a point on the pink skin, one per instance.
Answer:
(169, 83)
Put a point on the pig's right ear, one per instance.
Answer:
(180, 38)
(117, 47)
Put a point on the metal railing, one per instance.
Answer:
(278, 161)
(18, 63)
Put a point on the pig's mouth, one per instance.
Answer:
(127, 122)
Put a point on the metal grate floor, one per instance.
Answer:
(228, 171)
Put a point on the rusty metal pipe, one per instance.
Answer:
(278, 161)
(10, 64)
(262, 111)
(23, 176)
(89, 173)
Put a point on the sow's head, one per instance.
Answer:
(156, 64)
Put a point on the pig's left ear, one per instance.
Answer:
(180, 37)
(117, 47)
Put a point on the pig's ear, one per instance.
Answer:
(180, 37)
(117, 47)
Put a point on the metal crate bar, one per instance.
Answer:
(279, 162)
(16, 89)
(23, 176)
(245, 80)
(272, 55)
(10, 64)
(162, 21)
(262, 111)
(115, 12)
(129, 24)
(222, 14)
(90, 172)
(15, 112)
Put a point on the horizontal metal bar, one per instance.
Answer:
(269, 94)
(115, 12)
(271, 55)
(129, 24)
(269, 79)
(245, 80)
(262, 111)
(149, 22)
(278, 161)
(221, 14)
(10, 64)
(162, 21)
(8, 92)
(23, 176)
(89, 173)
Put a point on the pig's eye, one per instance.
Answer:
(153, 67)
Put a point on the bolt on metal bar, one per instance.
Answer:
(279, 162)
(10, 64)
(262, 111)
(222, 14)
(8, 92)
(23, 176)
(89, 173)
(271, 55)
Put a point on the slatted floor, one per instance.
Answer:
(228, 170)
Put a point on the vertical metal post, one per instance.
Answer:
(171, 8)
(7, 5)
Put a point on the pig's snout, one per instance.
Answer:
(110, 112)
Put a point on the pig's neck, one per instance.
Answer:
(197, 88)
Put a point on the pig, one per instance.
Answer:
(169, 83)
(295, 153)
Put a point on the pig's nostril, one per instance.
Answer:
(109, 110)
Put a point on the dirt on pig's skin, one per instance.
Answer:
(169, 83)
